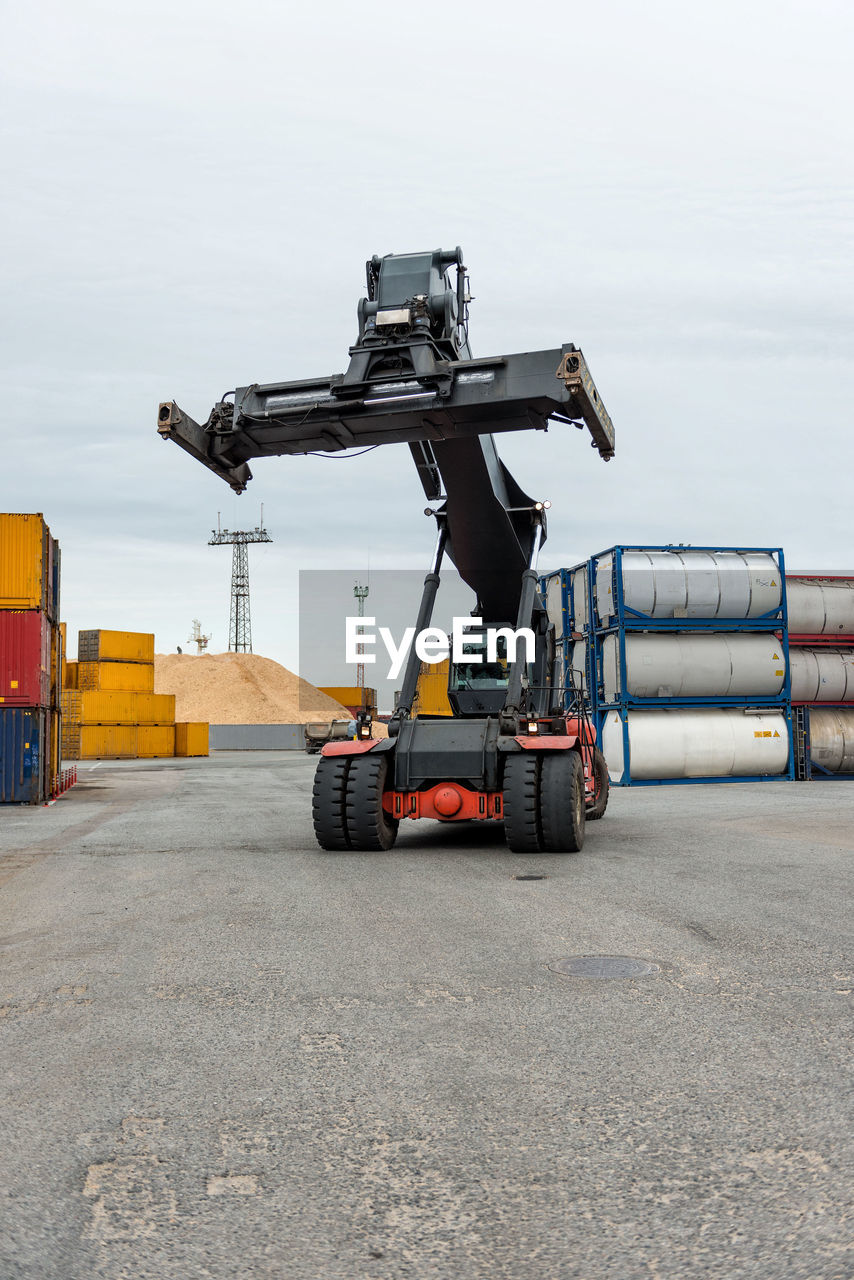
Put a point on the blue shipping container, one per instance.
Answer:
(23, 756)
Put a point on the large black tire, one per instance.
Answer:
(522, 829)
(602, 784)
(328, 802)
(368, 824)
(562, 802)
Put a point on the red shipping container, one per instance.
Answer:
(25, 644)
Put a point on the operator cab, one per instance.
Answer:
(477, 686)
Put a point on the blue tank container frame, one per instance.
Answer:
(626, 620)
(632, 619)
(564, 581)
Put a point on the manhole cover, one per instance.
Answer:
(605, 967)
(530, 875)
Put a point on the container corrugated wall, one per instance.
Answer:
(99, 706)
(192, 738)
(120, 677)
(29, 564)
(24, 756)
(27, 657)
(115, 646)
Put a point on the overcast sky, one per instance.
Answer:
(191, 191)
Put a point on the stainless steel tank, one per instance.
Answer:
(822, 675)
(581, 611)
(694, 666)
(554, 604)
(578, 663)
(696, 742)
(691, 584)
(832, 739)
(820, 607)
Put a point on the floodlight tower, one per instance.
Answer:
(361, 594)
(240, 621)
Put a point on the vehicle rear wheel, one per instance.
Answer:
(328, 802)
(602, 787)
(368, 824)
(562, 802)
(522, 829)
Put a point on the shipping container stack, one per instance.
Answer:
(684, 653)
(110, 709)
(821, 640)
(31, 656)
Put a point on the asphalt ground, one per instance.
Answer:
(228, 1055)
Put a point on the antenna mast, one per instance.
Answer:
(361, 594)
(240, 620)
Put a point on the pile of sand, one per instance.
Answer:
(240, 688)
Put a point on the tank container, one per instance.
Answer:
(820, 607)
(676, 584)
(693, 665)
(565, 593)
(822, 675)
(668, 744)
(831, 738)
(557, 608)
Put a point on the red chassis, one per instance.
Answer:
(457, 802)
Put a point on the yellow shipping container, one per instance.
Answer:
(191, 738)
(115, 646)
(351, 695)
(69, 679)
(155, 740)
(70, 705)
(107, 742)
(126, 741)
(431, 693)
(24, 562)
(127, 677)
(110, 707)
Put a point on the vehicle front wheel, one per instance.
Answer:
(562, 803)
(522, 829)
(328, 802)
(368, 824)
